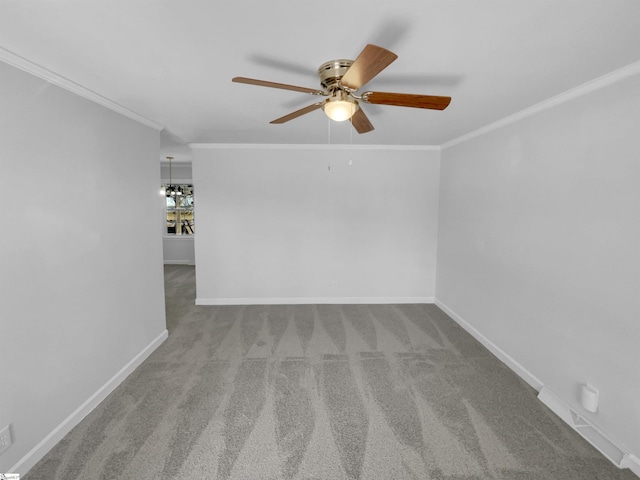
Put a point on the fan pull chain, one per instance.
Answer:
(329, 140)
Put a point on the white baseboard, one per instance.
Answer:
(179, 262)
(525, 374)
(589, 432)
(40, 450)
(312, 300)
(632, 463)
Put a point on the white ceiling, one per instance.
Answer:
(172, 60)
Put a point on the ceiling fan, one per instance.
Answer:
(341, 79)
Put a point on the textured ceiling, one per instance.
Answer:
(172, 61)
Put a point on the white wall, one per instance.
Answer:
(539, 248)
(274, 224)
(180, 172)
(81, 284)
(177, 249)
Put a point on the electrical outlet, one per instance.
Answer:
(334, 284)
(5, 438)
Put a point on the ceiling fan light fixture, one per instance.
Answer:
(340, 106)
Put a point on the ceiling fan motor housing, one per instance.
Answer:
(332, 71)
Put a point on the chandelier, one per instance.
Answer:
(172, 190)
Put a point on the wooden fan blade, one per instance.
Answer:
(298, 113)
(407, 100)
(283, 86)
(371, 61)
(361, 122)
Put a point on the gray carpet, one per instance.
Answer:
(320, 392)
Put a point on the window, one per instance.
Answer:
(179, 206)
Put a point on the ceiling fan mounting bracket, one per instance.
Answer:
(332, 71)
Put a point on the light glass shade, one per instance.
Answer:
(340, 107)
(340, 110)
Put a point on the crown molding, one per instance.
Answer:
(584, 89)
(25, 65)
(278, 146)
